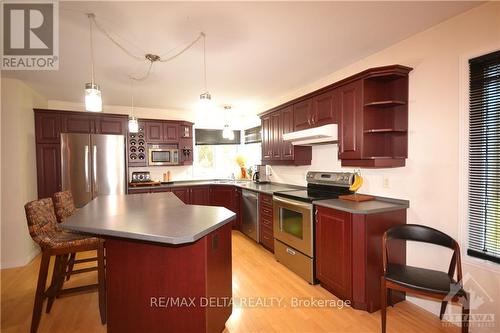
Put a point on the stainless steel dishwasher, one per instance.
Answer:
(250, 225)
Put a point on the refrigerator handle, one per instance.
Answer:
(87, 180)
(94, 160)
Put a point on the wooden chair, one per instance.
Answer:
(43, 228)
(421, 281)
(64, 206)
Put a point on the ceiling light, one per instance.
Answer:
(227, 132)
(93, 100)
(133, 125)
(205, 97)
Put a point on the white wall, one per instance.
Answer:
(432, 175)
(18, 172)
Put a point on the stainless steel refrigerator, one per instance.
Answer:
(92, 165)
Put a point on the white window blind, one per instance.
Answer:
(484, 157)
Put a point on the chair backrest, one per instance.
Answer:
(41, 219)
(424, 234)
(64, 205)
(420, 233)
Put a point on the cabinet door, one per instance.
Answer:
(334, 251)
(182, 193)
(351, 120)
(200, 195)
(47, 127)
(324, 110)
(266, 138)
(302, 114)
(170, 132)
(138, 191)
(111, 125)
(185, 131)
(154, 131)
(287, 127)
(276, 136)
(48, 166)
(224, 196)
(78, 124)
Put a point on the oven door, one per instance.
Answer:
(293, 224)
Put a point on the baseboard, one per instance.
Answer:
(24, 262)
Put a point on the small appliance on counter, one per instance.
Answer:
(260, 175)
(142, 178)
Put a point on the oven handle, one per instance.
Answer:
(293, 202)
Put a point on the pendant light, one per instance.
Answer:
(133, 124)
(205, 97)
(227, 132)
(93, 100)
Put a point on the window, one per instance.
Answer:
(484, 157)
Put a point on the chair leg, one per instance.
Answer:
(389, 297)
(52, 291)
(63, 268)
(40, 292)
(465, 314)
(383, 303)
(443, 309)
(102, 281)
(71, 264)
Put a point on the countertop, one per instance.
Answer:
(379, 205)
(267, 188)
(157, 217)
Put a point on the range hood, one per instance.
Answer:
(313, 136)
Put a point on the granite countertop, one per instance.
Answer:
(379, 205)
(158, 217)
(267, 188)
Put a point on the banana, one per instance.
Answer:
(358, 182)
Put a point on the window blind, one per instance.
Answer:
(484, 157)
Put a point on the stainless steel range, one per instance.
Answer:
(294, 216)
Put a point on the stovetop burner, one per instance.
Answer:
(321, 185)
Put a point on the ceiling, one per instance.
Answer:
(256, 51)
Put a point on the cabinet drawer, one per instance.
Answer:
(267, 239)
(266, 199)
(266, 222)
(266, 211)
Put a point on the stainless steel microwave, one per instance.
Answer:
(161, 155)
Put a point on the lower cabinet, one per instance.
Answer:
(182, 193)
(200, 195)
(349, 254)
(266, 233)
(226, 196)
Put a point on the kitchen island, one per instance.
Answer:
(168, 264)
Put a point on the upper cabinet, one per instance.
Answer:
(154, 131)
(370, 108)
(162, 131)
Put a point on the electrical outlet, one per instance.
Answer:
(385, 182)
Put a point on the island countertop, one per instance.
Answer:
(157, 217)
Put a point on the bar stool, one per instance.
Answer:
(53, 241)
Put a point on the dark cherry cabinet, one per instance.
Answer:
(48, 158)
(225, 196)
(302, 114)
(78, 123)
(334, 251)
(370, 108)
(111, 125)
(267, 148)
(200, 195)
(351, 120)
(47, 127)
(324, 109)
(182, 193)
(170, 132)
(154, 131)
(349, 254)
(275, 151)
(266, 232)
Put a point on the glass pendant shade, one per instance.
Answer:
(93, 100)
(227, 133)
(205, 102)
(133, 125)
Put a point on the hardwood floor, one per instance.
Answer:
(256, 277)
